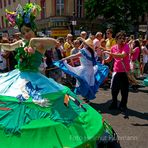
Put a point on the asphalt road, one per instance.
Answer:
(132, 127)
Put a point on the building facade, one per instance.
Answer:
(57, 18)
(60, 17)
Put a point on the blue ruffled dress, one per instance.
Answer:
(90, 74)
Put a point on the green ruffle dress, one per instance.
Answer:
(33, 112)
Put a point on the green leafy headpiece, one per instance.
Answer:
(25, 15)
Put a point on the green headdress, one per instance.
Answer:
(24, 16)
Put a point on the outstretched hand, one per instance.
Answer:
(107, 52)
(63, 59)
(29, 50)
(42, 44)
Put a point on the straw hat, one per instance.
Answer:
(88, 42)
(17, 33)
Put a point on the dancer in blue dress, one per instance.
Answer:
(90, 74)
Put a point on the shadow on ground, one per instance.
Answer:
(103, 108)
(109, 145)
(137, 124)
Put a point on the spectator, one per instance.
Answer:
(135, 59)
(76, 49)
(68, 45)
(75, 61)
(145, 56)
(120, 54)
(83, 34)
(9, 56)
(96, 43)
(49, 61)
(61, 46)
(16, 36)
(131, 41)
(103, 48)
(110, 41)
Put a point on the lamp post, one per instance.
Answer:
(74, 23)
(146, 32)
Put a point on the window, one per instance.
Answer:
(59, 7)
(2, 19)
(43, 10)
(5, 3)
(1, 4)
(9, 2)
(79, 8)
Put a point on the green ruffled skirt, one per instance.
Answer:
(24, 123)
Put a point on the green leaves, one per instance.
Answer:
(119, 12)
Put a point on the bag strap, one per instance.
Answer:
(123, 65)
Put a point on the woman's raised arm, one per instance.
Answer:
(42, 44)
(11, 46)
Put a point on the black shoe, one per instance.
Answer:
(113, 106)
(122, 109)
(86, 101)
(135, 88)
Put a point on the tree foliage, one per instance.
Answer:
(119, 13)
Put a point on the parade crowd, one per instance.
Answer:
(70, 45)
(41, 79)
(135, 65)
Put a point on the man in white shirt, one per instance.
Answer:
(96, 43)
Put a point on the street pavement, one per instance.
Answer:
(131, 127)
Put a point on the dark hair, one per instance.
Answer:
(119, 34)
(137, 44)
(91, 51)
(109, 30)
(23, 24)
(29, 26)
(61, 39)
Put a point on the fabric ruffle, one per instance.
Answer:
(84, 89)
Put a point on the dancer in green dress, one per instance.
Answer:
(36, 111)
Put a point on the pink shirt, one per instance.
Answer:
(135, 55)
(121, 64)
